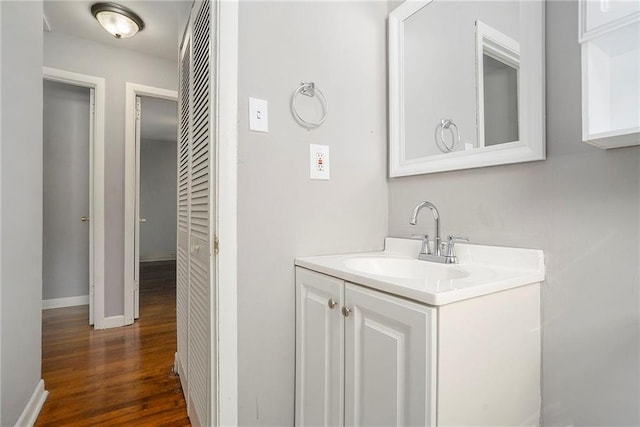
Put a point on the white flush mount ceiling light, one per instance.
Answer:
(117, 20)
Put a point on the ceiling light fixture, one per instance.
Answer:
(117, 20)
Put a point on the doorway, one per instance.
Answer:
(66, 175)
(157, 196)
(73, 194)
(151, 130)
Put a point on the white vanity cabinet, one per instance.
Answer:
(367, 360)
(389, 359)
(365, 357)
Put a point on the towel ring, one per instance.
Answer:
(441, 142)
(309, 89)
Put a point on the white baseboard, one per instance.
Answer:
(156, 258)
(32, 410)
(65, 302)
(111, 322)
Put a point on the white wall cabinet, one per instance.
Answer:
(609, 33)
(365, 358)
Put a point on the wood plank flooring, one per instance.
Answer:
(115, 377)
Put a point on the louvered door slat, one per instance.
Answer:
(182, 252)
(200, 331)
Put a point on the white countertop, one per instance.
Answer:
(486, 269)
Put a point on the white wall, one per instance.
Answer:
(21, 206)
(65, 263)
(281, 213)
(158, 186)
(582, 207)
(117, 66)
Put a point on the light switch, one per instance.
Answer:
(258, 115)
(318, 161)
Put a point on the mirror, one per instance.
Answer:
(466, 84)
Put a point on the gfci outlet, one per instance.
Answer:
(318, 161)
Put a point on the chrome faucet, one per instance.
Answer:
(438, 254)
(436, 218)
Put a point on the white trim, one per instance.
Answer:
(132, 90)
(32, 410)
(226, 206)
(1, 203)
(65, 302)
(158, 258)
(112, 322)
(97, 221)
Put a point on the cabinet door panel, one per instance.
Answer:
(319, 350)
(390, 347)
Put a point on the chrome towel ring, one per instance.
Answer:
(441, 142)
(309, 89)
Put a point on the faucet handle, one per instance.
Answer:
(450, 246)
(425, 249)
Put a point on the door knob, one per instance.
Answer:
(84, 218)
(332, 303)
(143, 220)
(346, 311)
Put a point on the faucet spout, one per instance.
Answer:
(436, 218)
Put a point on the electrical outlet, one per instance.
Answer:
(318, 161)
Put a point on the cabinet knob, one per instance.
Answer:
(332, 303)
(346, 311)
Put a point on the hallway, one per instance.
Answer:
(118, 376)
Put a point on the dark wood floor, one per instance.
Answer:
(120, 376)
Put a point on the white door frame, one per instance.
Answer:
(131, 177)
(96, 188)
(225, 317)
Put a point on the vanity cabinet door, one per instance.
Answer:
(319, 350)
(390, 360)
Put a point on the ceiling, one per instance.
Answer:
(159, 120)
(159, 37)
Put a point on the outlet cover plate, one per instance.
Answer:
(319, 162)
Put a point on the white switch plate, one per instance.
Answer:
(318, 161)
(258, 115)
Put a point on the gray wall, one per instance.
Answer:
(158, 186)
(117, 66)
(440, 63)
(281, 213)
(65, 268)
(21, 206)
(500, 102)
(581, 206)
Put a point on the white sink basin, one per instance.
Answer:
(404, 268)
(397, 270)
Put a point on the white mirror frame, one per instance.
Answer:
(531, 112)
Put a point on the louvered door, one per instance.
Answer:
(196, 219)
(182, 252)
